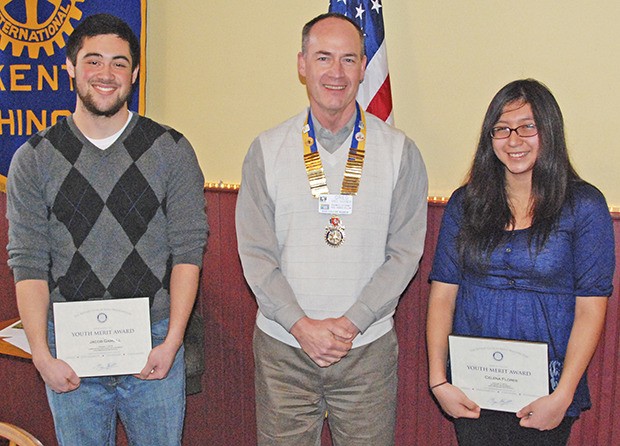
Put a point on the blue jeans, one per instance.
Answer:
(152, 412)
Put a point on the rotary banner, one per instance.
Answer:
(35, 89)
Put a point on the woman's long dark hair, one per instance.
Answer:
(486, 210)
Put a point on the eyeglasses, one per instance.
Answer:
(524, 131)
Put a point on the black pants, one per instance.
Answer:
(502, 428)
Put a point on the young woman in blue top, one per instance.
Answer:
(525, 252)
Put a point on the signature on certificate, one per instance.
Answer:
(501, 402)
(107, 366)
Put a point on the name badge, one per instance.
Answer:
(336, 204)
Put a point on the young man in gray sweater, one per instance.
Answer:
(105, 205)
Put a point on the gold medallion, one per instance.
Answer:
(334, 232)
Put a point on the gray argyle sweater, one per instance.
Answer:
(105, 224)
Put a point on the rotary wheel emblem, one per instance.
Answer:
(21, 25)
(334, 232)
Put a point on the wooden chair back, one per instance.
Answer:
(17, 436)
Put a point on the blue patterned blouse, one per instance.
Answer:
(529, 295)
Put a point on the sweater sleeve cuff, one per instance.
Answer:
(22, 273)
(288, 316)
(361, 316)
(192, 257)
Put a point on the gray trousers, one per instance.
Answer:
(294, 395)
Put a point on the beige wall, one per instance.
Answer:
(221, 71)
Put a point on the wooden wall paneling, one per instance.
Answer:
(223, 414)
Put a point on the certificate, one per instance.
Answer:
(499, 374)
(103, 337)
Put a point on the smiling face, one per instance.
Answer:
(103, 75)
(518, 154)
(333, 67)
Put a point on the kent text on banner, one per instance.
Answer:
(375, 94)
(35, 89)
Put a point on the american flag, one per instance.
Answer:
(375, 94)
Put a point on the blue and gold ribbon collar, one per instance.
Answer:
(355, 159)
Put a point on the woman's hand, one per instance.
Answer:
(455, 403)
(545, 413)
